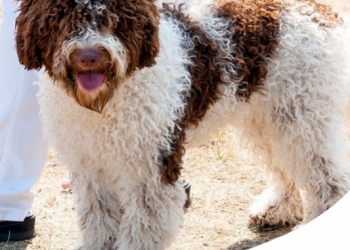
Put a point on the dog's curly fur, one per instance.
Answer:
(173, 76)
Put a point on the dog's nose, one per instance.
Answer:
(88, 58)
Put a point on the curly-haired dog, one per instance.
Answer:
(128, 88)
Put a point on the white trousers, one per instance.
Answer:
(23, 149)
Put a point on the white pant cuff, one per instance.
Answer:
(13, 216)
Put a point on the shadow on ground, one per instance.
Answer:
(261, 237)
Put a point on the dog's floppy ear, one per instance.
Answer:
(41, 27)
(27, 28)
(138, 28)
(150, 45)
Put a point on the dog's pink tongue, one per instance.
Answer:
(90, 80)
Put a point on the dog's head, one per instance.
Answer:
(88, 46)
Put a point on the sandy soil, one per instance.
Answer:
(224, 183)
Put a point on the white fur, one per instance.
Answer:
(297, 128)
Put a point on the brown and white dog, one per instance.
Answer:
(128, 87)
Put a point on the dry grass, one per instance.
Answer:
(224, 180)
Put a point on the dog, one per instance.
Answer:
(127, 87)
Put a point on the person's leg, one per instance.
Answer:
(23, 148)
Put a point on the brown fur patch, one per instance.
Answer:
(254, 32)
(256, 25)
(205, 77)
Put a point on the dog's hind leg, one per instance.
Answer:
(304, 143)
(323, 175)
(310, 142)
(307, 154)
(278, 206)
(303, 110)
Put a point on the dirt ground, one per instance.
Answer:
(224, 181)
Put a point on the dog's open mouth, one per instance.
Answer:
(90, 80)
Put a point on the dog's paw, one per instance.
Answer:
(272, 211)
(260, 222)
(265, 217)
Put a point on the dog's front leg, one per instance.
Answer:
(98, 212)
(152, 215)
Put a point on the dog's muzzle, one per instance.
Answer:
(90, 76)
